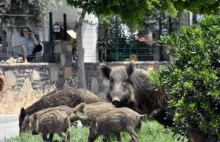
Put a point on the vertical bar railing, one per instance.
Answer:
(116, 37)
(65, 26)
(51, 37)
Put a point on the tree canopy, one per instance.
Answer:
(134, 11)
(33, 11)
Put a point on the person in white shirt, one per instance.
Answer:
(30, 42)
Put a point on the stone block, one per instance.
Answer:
(1, 71)
(27, 88)
(57, 47)
(62, 59)
(106, 82)
(10, 78)
(68, 72)
(69, 48)
(150, 67)
(36, 75)
(54, 74)
(94, 85)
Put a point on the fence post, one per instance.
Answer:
(116, 37)
(170, 25)
(51, 37)
(65, 26)
(160, 45)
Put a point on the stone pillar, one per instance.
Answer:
(156, 52)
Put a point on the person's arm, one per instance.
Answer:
(22, 42)
(36, 42)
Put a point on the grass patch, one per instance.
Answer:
(150, 131)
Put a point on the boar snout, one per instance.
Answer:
(116, 101)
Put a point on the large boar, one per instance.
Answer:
(68, 97)
(130, 87)
(91, 110)
(115, 121)
(49, 122)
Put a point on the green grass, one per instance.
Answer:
(150, 132)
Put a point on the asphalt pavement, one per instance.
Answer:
(8, 126)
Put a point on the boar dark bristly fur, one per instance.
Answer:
(50, 122)
(130, 87)
(65, 109)
(69, 97)
(115, 121)
(1, 84)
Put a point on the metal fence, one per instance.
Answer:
(122, 48)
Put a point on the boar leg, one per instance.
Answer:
(44, 135)
(132, 133)
(51, 137)
(68, 135)
(63, 136)
(105, 137)
(118, 137)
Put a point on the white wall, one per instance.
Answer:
(89, 32)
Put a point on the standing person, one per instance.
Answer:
(31, 44)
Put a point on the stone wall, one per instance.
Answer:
(41, 76)
(97, 84)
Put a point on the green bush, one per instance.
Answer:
(193, 80)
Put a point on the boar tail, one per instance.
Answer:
(146, 117)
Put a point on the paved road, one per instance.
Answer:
(8, 126)
(8, 130)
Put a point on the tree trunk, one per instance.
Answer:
(80, 50)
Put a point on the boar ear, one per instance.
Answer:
(130, 68)
(105, 70)
(93, 120)
(35, 116)
(82, 106)
(22, 113)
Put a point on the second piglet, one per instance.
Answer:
(115, 121)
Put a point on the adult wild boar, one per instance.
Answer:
(130, 87)
(91, 110)
(68, 97)
(115, 121)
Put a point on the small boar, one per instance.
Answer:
(131, 87)
(65, 109)
(115, 121)
(69, 97)
(49, 121)
(91, 110)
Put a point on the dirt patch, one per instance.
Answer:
(11, 102)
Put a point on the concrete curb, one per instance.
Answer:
(8, 118)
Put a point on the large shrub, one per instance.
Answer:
(193, 80)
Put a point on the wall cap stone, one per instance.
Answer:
(27, 64)
(136, 62)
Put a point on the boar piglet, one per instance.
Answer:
(115, 121)
(54, 121)
(66, 109)
(91, 110)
